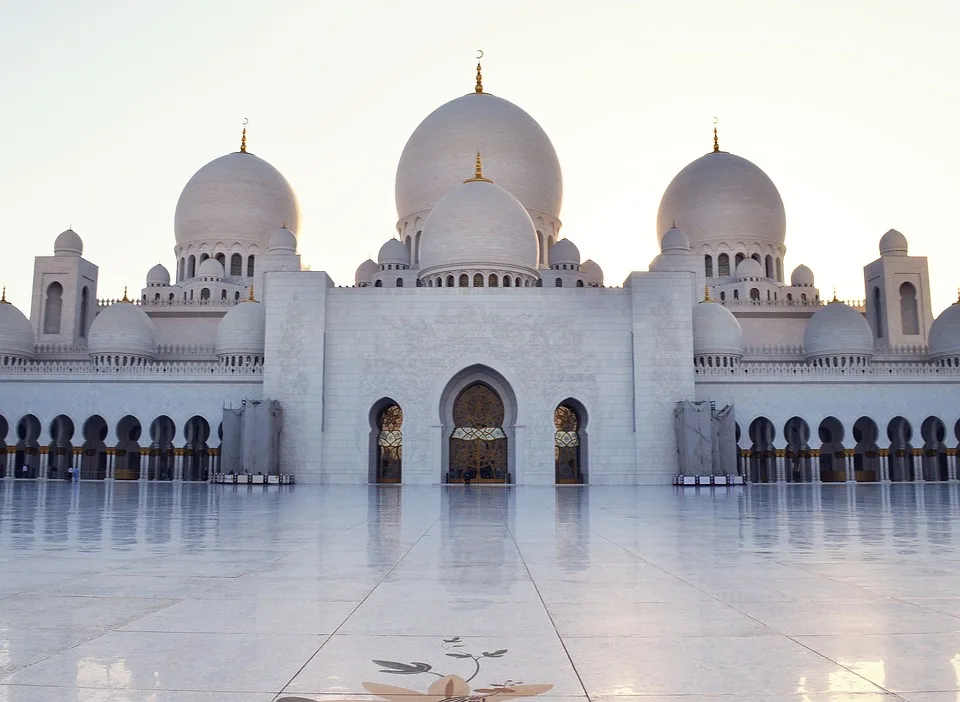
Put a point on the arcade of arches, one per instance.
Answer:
(864, 452)
(154, 454)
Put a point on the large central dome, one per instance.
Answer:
(721, 197)
(518, 154)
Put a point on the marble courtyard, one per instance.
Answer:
(143, 592)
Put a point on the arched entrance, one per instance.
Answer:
(569, 450)
(3, 447)
(934, 432)
(127, 466)
(387, 434)
(60, 450)
(196, 452)
(832, 468)
(796, 432)
(478, 444)
(27, 459)
(866, 461)
(899, 432)
(93, 464)
(763, 465)
(162, 452)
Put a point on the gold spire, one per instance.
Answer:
(250, 297)
(479, 86)
(5, 294)
(478, 172)
(706, 294)
(716, 142)
(243, 137)
(3, 298)
(834, 295)
(125, 298)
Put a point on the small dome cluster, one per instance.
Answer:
(749, 269)
(802, 277)
(122, 335)
(393, 256)
(210, 270)
(674, 240)
(717, 336)
(564, 254)
(241, 335)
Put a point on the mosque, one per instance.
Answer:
(480, 342)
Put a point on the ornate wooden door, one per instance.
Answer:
(478, 444)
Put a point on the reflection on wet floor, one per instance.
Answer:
(181, 593)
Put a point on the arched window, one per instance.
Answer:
(754, 294)
(723, 265)
(737, 259)
(53, 309)
(416, 249)
(756, 257)
(464, 281)
(439, 282)
(250, 266)
(506, 281)
(909, 316)
(492, 281)
(236, 296)
(222, 259)
(478, 280)
(789, 297)
(579, 283)
(223, 294)
(204, 257)
(803, 297)
(541, 244)
(558, 283)
(378, 284)
(205, 294)
(779, 269)
(769, 266)
(156, 298)
(449, 281)
(736, 294)
(84, 303)
(191, 266)
(723, 297)
(708, 265)
(180, 268)
(191, 295)
(399, 282)
(236, 265)
(877, 312)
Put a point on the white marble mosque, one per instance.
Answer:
(481, 341)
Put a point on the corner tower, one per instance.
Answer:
(64, 293)
(897, 290)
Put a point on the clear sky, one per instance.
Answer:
(108, 108)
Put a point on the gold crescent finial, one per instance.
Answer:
(478, 172)
(706, 293)
(479, 86)
(5, 294)
(243, 137)
(125, 298)
(834, 295)
(250, 297)
(3, 298)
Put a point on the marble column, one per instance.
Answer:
(781, 466)
(745, 464)
(144, 465)
(78, 463)
(815, 464)
(178, 464)
(951, 464)
(918, 465)
(849, 464)
(111, 463)
(42, 463)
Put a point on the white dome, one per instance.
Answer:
(479, 225)
(365, 272)
(517, 155)
(723, 198)
(837, 330)
(158, 275)
(675, 240)
(749, 268)
(592, 271)
(393, 251)
(564, 252)
(123, 329)
(283, 241)
(716, 331)
(801, 276)
(16, 333)
(945, 333)
(242, 330)
(210, 268)
(237, 198)
(893, 243)
(68, 243)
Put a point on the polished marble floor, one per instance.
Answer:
(182, 593)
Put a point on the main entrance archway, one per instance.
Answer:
(478, 444)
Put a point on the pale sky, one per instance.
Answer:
(852, 108)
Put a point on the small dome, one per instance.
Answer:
(210, 268)
(158, 275)
(123, 329)
(479, 224)
(945, 333)
(893, 243)
(365, 272)
(283, 241)
(242, 331)
(68, 243)
(519, 155)
(16, 333)
(393, 252)
(801, 276)
(716, 331)
(564, 252)
(749, 268)
(837, 330)
(675, 240)
(592, 272)
(237, 198)
(721, 197)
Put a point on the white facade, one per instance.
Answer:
(479, 344)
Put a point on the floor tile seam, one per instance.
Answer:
(840, 665)
(546, 610)
(354, 610)
(139, 689)
(45, 658)
(833, 579)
